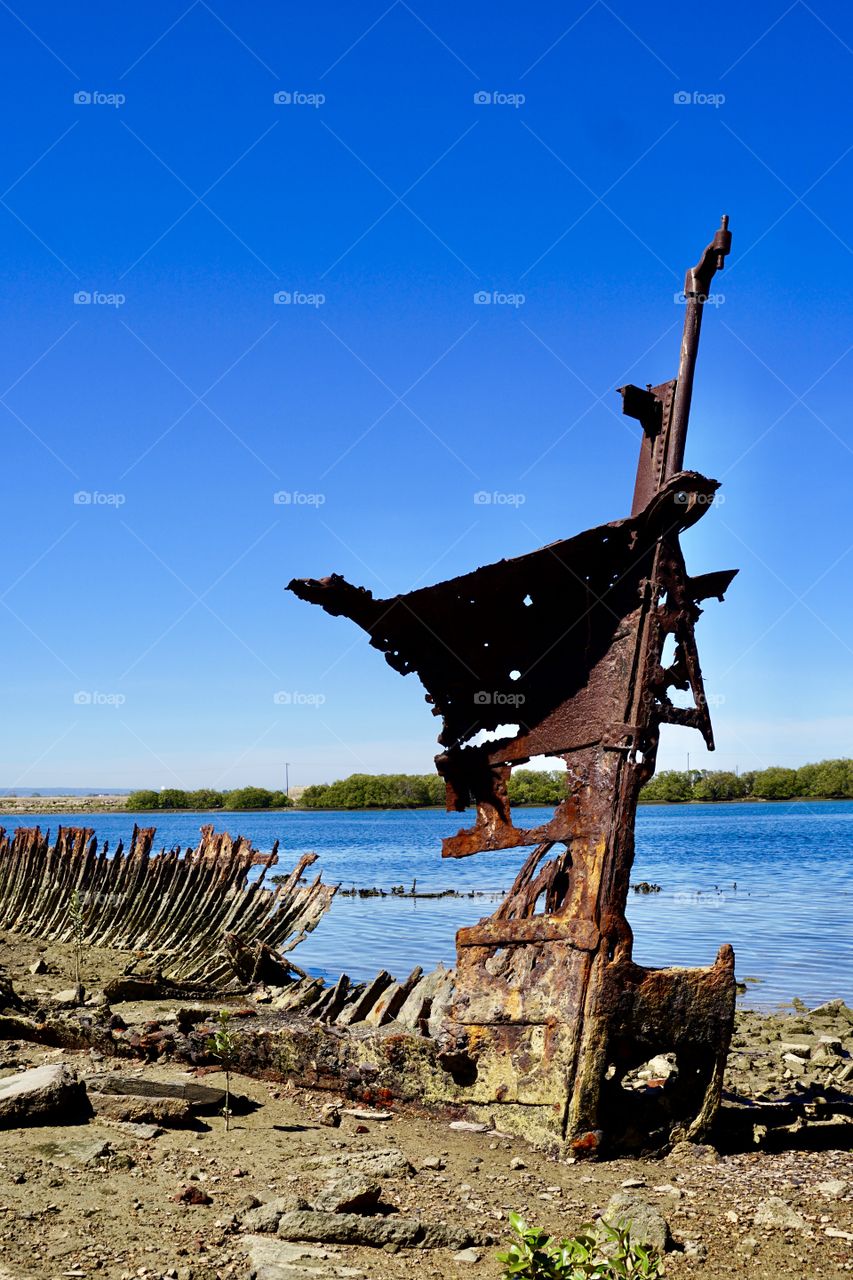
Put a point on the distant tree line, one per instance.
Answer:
(828, 780)
(418, 791)
(243, 798)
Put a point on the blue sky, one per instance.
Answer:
(148, 165)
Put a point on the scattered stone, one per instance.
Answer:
(773, 1211)
(263, 1217)
(71, 1155)
(467, 1255)
(38, 966)
(434, 1162)
(517, 1163)
(69, 999)
(41, 1095)
(832, 1188)
(468, 1126)
(191, 1194)
(398, 1230)
(278, 1260)
(695, 1249)
(378, 1163)
(837, 1234)
(169, 1112)
(330, 1115)
(630, 1183)
(748, 1245)
(352, 1194)
(647, 1224)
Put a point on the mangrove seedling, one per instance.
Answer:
(223, 1045)
(596, 1253)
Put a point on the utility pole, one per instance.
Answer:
(286, 778)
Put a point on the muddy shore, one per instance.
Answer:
(98, 1197)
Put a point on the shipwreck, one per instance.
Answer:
(549, 1011)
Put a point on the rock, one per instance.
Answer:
(141, 1132)
(38, 966)
(191, 1194)
(434, 1162)
(799, 1050)
(837, 1234)
(170, 1112)
(74, 1155)
(695, 1249)
(41, 1095)
(631, 1184)
(748, 1245)
(271, 1259)
(468, 1126)
(330, 1115)
(467, 1255)
(683, 1151)
(775, 1212)
(352, 1194)
(832, 1188)
(396, 1230)
(378, 1163)
(263, 1217)
(659, 1068)
(644, 1220)
(68, 999)
(517, 1163)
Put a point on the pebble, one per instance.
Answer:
(517, 1163)
(467, 1255)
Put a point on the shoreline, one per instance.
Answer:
(104, 804)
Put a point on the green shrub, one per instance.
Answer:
(600, 1253)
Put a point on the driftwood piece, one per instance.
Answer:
(177, 906)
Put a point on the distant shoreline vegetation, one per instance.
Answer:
(243, 798)
(828, 780)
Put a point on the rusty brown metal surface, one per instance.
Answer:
(566, 645)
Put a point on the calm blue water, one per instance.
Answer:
(790, 919)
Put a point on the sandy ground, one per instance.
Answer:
(72, 1207)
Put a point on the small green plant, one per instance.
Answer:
(597, 1253)
(77, 916)
(223, 1045)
